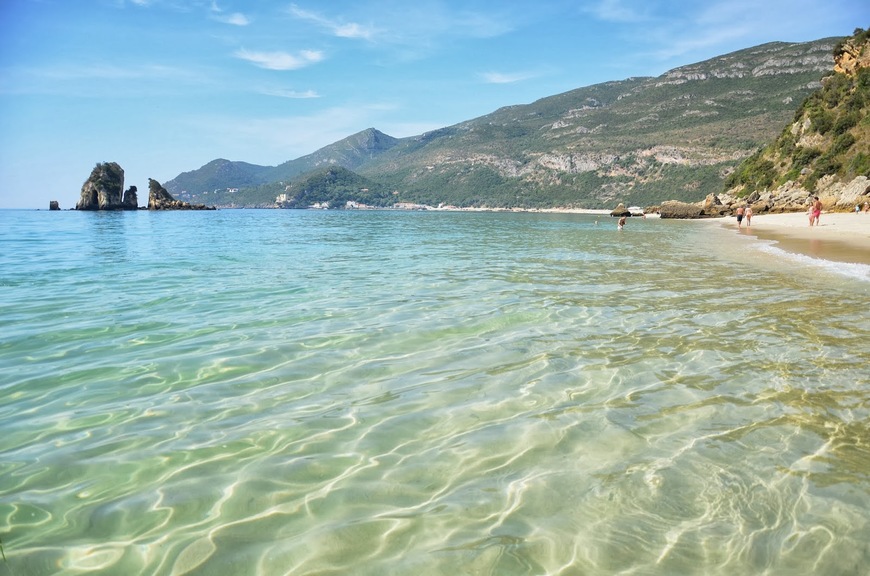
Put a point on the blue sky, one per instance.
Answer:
(165, 86)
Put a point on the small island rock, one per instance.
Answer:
(160, 199)
(103, 189)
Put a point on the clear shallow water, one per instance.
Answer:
(284, 392)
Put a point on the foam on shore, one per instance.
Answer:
(839, 244)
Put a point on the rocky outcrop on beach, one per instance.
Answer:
(675, 209)
(790, 197)
(103, 190)
(160, 199)
(620, 210)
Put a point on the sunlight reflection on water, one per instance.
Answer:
(273, 392)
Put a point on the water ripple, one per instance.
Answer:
(394, 393)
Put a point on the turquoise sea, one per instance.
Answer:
(266, 392)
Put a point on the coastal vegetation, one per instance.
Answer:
(829, 137)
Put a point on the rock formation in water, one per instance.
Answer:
(53, 205)
(160, 199)
(103, 189)
(620, 210)
(130, 202)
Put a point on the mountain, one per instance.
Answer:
(220, 175)
(216, 175)
(637, 141)
(350, 153)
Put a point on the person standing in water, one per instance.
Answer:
(747, 214)
(621, 223)
(739, 216)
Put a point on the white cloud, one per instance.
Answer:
(236, 19)
(280, 60)
(281, 93)
(342, 30)
(506, 78)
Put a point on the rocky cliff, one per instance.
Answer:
(160, 199)
(824, 151)
(103, 190)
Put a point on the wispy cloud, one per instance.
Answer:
(283, 93)
(480, 25)
(78, 79)
(280, 60)
(507, 78)
(236, 19)
(109, 72)
(617, 11)
(337, 28)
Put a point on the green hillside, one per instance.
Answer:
(333, 187)
(219, 176)
(829, 136)
(637, 141)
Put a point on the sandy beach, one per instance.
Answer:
(841, 237)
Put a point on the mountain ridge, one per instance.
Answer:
(349, 153)
(639, 140)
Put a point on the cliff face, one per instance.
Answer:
(824, 152)
(103, 190)
(851, 56)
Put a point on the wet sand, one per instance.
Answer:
(840, 237)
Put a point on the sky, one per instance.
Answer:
(165, 86)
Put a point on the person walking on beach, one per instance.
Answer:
(740, 211)
(747, 214)
(817, 211)
(621, 223)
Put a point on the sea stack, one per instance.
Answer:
(103, 189)
(160, 199)
(53, 205)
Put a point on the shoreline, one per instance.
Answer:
(839, 237)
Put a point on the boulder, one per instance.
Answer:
(620, 210)
(160, 199)
(102, 190)
(53, 205)
(674, 209)
(713, 206)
